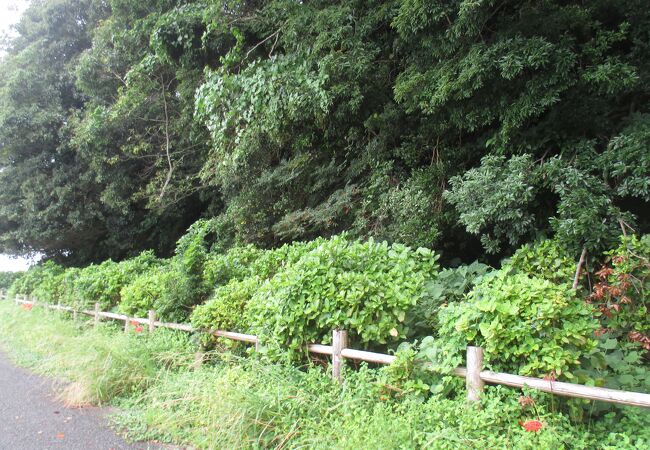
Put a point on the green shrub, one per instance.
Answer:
(103, 283)
(616, 364)
(524, 324)
(546, 259)
(67, 286)
(241, 262)
(235, 264)
(179, 295)
(37, 278)
(167, 289)
(449, 286)
(237, 275)
(7, 279)
(182, 284)
(621, 293)
(139, 296)
(227, 308)
(365, 288)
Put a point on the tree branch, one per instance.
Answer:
(576, 279)
(167, 143)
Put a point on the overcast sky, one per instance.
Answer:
(10, 11)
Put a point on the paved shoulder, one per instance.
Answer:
(31, 419)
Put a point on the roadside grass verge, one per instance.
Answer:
(92, 366)
(250, 405)
(245, 403)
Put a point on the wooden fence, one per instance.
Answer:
(475, 376)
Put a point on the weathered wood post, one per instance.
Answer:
(126, 324)
(473, 379)
(152, 320)
(96, 314)
(198, 360)
(339, 342)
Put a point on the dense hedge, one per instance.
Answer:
(526, 314)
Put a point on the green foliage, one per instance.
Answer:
(616, 364)
(7, 279)
(103, 283)
(242, 110)
(524, 324)
(141, 295)
(545, 259)
(240, 262)
(227, 308)
(449, 286)
(235, 264)
(167, 289)
(504, 211)
(587, 216)
(122, 123)
(175, 286)
(626, 163)
(41, 277)
(365, 288)
(404, 376)
(98, 364)
(245, 403)
(235, 276)
(522, 87)
(621, 294)
(407, 213)
(186, 35)
(623, 289)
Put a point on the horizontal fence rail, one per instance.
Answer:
(474, 374)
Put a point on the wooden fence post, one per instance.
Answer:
(152, 320)
(198, 360)
(339, 342)
(126, 325)
(96, 314)
(473, 378)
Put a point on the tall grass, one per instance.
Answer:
(235, 403)
(246, 404)
(91, 365)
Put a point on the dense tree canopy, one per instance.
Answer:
(469, 126)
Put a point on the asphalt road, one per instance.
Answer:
(31, 418)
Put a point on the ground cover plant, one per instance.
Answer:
(248, 403)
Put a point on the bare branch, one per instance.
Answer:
(167, 143)
(263, 41)
(576, 279)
